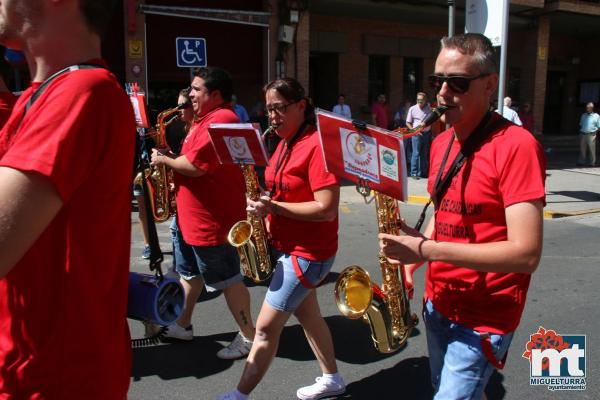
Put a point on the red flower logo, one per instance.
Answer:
(545, 339)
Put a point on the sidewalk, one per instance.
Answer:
(570, 190)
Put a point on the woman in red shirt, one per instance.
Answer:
(301, 206)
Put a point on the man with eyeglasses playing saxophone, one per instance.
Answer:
(485, 238)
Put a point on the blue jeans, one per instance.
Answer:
(408, 153)
(174, 240)
(419, 160)
(459, 369)
(286, 292)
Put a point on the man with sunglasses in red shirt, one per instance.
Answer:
(485, 238)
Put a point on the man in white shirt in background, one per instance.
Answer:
(419, 160)
(509, 113)
(342, 108)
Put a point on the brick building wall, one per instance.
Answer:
(354, 62)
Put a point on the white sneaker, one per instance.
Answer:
(238, 348)
(229, 396)
(175, 331)
(322, 388)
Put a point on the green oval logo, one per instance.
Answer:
(388, 157)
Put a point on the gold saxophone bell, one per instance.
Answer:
(240, 237)
(240, 233)
(249, 236)
(353, 293)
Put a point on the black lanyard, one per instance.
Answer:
(282, 158)
(46, 83)
(441, 185)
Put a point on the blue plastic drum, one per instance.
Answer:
(14, 57)
(158, 301)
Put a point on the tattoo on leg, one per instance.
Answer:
(244, 319)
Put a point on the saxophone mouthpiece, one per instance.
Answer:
(185, 105)
(434, 115)
(269, 130)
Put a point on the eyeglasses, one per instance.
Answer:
(279, 108)
(183, 106)
(458, 84)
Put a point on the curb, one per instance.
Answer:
(548, 214)
(414, 199)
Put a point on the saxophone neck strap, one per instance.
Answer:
(473, 142)
(47, 82)
(282, 157)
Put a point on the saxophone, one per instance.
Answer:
(249, 236)
(159, 179)
(387, 308)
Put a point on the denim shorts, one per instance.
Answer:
(218, 265)
(137, 189)
(459, 368)
(286, 292)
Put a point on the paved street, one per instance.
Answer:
(563, 296)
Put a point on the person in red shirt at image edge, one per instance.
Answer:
(485, 238)
(210, 200)
(65, 207)
(303, 221)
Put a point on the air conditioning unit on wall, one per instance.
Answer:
(286, 34)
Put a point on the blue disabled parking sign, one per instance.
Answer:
(191, 52)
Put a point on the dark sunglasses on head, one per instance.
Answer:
(458, 84)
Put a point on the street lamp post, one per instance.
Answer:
(451, 7)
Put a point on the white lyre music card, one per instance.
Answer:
(363, 153)
(238, 144)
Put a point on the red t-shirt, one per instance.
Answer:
(381, 114)
(209, 205)
(63, 306)
(7, 102)
(509, 168)
(302, 172)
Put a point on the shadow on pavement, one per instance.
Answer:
(495, 389)
(579, 195)
(179, 360)
(330, 278)
(409, 379)
(206, 295)
(352, 341)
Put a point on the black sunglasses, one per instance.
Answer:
(458, 84)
